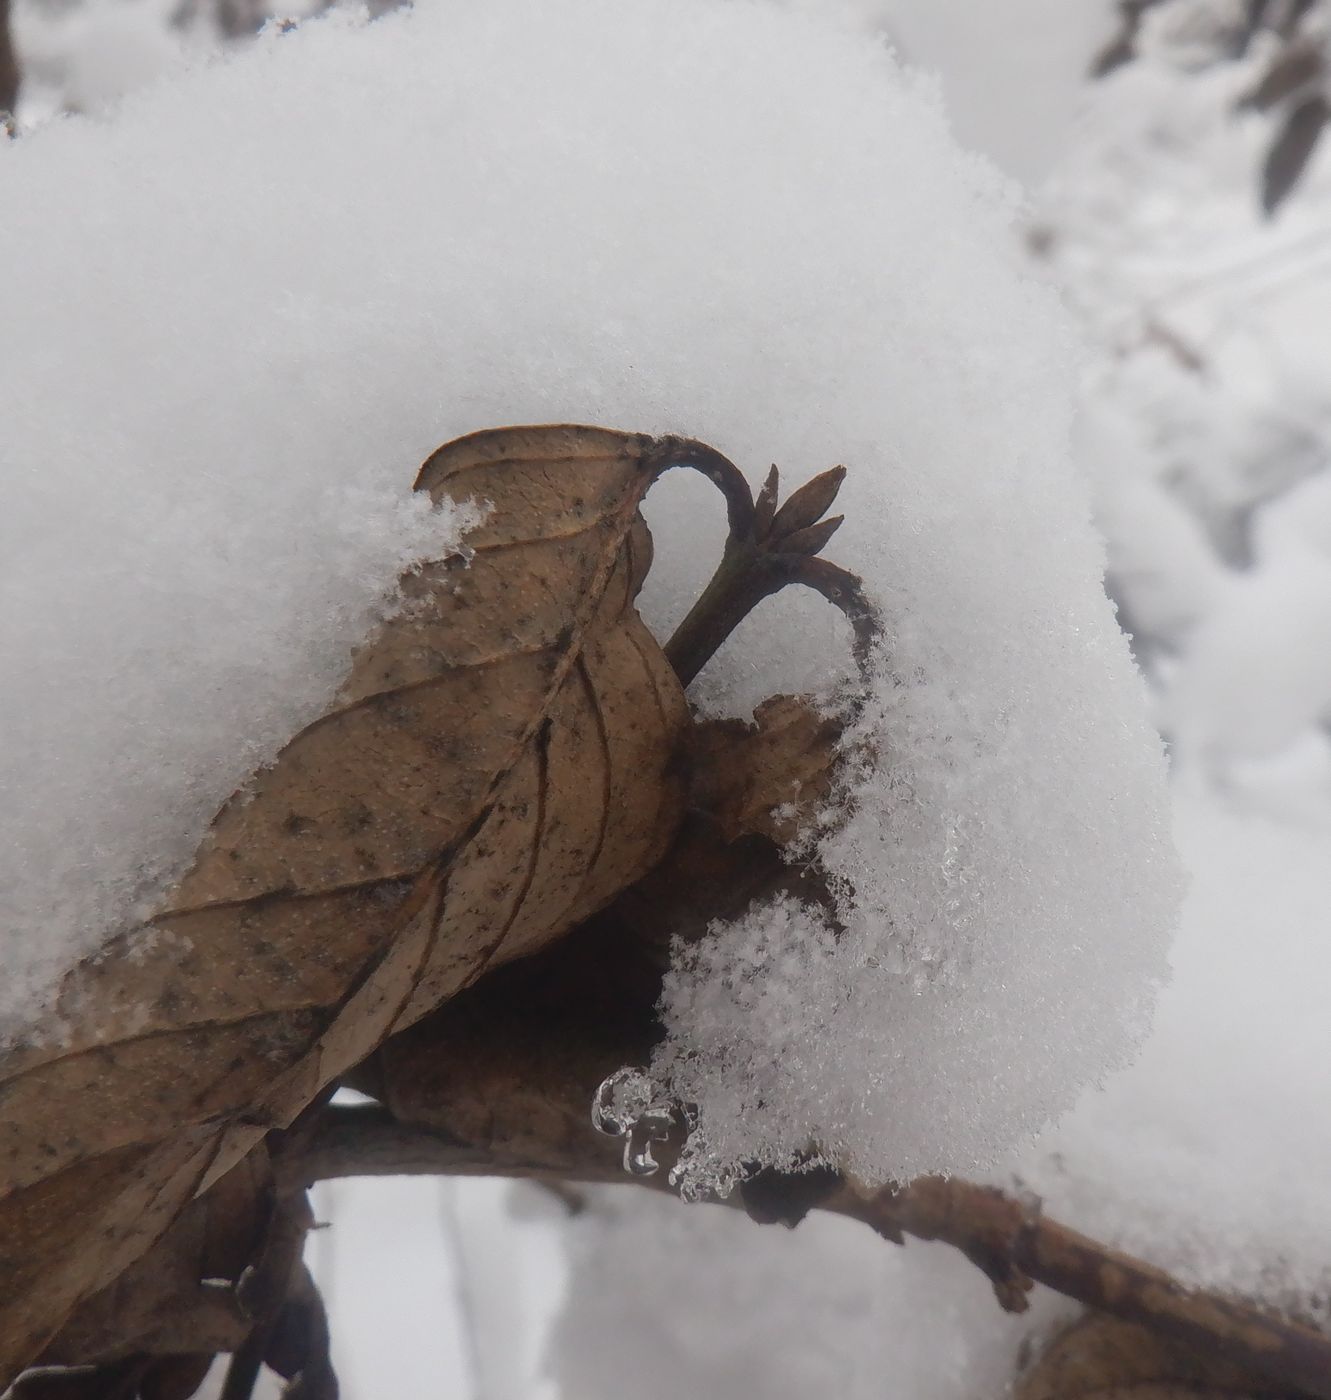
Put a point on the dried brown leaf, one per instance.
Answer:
(769, 778)
(1101, 1358)
(509, 1067)
(175, 1377)
(178, 1296)
(1292, 150)
(118, 1381)
(1296, 67)
(501, 761)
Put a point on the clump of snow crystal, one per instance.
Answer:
(249, 303)
(1004, 884)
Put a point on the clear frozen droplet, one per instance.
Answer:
(653, 1126)
(620, 1101)
(626, 1105)
(640, 1161)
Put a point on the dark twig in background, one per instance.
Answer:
(9, 70)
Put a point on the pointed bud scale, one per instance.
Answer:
(809, 504)
(764, 508)
(812, 539)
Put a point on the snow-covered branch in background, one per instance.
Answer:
(1208, 413)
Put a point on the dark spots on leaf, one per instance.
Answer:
(391, 892)
(169, 1001)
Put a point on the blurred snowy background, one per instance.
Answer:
(1205, 433)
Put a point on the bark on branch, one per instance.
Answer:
(1011, 1240)
(1015, 1244)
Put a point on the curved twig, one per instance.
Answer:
(767, 549)
(846, 591)
(670, 452)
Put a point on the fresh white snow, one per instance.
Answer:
(253, 296)
(261, 292)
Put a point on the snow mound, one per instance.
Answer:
(254, 299)
(1204, 1155)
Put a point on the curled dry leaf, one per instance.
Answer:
(179, 1297)
(770, 778)
(1102, 1358)
(501, 761)
(509, 1067)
